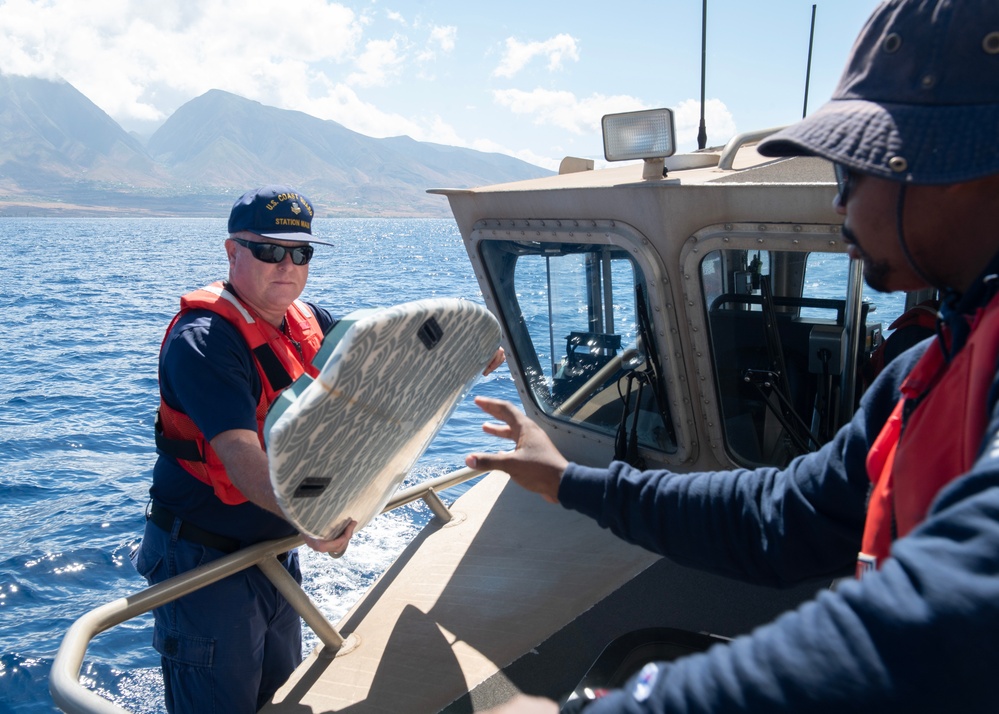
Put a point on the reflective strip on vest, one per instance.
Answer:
(220, 290)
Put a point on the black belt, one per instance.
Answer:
(164, 518)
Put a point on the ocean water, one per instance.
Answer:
(84, 304)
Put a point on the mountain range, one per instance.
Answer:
(60, 154)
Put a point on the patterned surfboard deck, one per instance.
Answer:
(339, 445)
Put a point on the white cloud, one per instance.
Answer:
(380, 60)
(581, 116)
(439, 131)
(442, 38)
(718, 122)
(138, 60)
(563, 109)
(519, 54)
(545, 162)
(340, 103)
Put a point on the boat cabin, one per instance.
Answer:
(702, 316)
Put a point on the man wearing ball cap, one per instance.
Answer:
(227, 354)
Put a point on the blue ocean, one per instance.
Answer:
(85, 303)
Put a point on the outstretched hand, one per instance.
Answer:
(534, 463)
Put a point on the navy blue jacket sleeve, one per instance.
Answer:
(768, 526)
(918, 635)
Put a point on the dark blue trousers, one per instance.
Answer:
(227, 647)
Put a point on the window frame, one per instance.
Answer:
(648, 266)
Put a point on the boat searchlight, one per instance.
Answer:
(649, 135)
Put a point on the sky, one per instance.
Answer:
(528, 78)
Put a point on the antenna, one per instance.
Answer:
(808, 66)
(702, 132)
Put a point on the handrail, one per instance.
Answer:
(64, 679)
(727, 158)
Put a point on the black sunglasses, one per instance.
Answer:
(844, 177)
(274, 253)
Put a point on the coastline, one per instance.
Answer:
(187, 206)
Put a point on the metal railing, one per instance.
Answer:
(64, 679)
(727, 158)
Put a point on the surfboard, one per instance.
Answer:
(339, 445)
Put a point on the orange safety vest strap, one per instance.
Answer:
(278, 362)
(271, 367)
(195, 454)
(182, 449)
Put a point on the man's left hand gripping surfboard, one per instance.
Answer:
(340, 444)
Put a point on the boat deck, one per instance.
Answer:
(463, 601)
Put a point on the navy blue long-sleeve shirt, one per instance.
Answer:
(919, 635)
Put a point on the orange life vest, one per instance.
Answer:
(278, 362)
(917, 454)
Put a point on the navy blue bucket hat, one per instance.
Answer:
(919, 99)
(275, 212)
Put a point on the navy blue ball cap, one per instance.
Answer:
(918, 101)
(275, 212)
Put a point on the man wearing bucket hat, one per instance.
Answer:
(908, 492)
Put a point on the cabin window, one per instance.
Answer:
(779, 349)
(579, 323)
